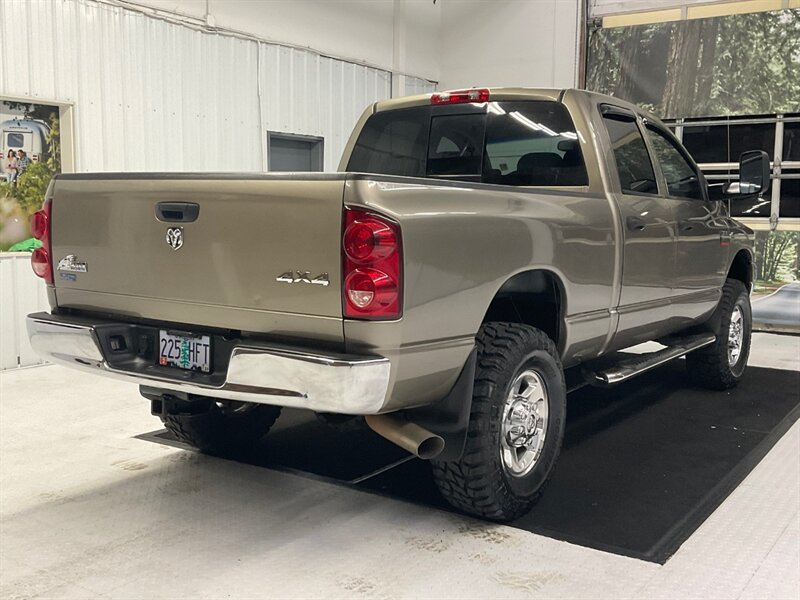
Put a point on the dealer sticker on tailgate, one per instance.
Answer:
(184, 351)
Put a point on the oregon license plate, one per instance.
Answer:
(184, 351)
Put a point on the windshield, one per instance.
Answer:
(531, 143)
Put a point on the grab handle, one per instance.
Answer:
(177, 212)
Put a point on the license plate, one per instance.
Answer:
(184, 351)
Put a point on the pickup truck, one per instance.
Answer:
(474, 247)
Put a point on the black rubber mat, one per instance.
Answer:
(643, 464)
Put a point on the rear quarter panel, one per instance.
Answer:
(461, 242)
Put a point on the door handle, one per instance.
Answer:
(177, 212)
(635, 223)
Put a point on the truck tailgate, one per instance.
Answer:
(249, 231)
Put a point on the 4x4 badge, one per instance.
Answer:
(303, 277)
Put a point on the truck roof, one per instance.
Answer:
(510, 94)
(496, 93)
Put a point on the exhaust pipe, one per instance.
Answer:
(409, 436)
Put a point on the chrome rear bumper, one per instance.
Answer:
(256, 373)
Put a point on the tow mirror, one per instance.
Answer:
(753, 174)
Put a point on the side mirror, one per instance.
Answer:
(754, 174)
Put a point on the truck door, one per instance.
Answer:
(648, 231)
(702, 229)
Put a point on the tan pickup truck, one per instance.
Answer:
(473, 246)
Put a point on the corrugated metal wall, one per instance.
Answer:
(314, 95)
(155, 95)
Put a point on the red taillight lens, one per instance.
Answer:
(369, 240)
(39, 224)
(372, 265)
(40, 227)
(40, 261)
(460, 96)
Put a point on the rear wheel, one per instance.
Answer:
(721, 365)
(516, 425)
(220, 426)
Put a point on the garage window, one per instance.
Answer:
(289, 152)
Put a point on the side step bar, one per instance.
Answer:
(630, 365)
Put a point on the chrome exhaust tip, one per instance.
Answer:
(411, 437)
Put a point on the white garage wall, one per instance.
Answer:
(157, 96)
(509, 43)
(361, 30)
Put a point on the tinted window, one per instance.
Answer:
(15, 140)
(790, 195)
(508, 143)
(456, 146)
(532, 143)
(726, 142)
(758, 136)
(682, 180)
(393, 143)
(636, 174)
(707, 143)
(791, 141)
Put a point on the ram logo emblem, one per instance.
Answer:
(174, 237)
(303, 277)
(72, 264)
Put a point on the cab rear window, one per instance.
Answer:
(531, 143)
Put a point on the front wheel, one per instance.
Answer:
(721, 365)
(516, 425)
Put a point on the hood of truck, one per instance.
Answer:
(256, 258)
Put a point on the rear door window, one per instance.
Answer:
(636, 175)
(532, 143)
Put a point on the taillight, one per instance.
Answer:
(372, 261)
(40, 227)
(460, 96)
(39, 222)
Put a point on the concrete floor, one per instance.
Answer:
(87, 511)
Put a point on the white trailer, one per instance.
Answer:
(29, 135)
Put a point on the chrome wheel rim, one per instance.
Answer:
(735, 336)
(524, 424)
